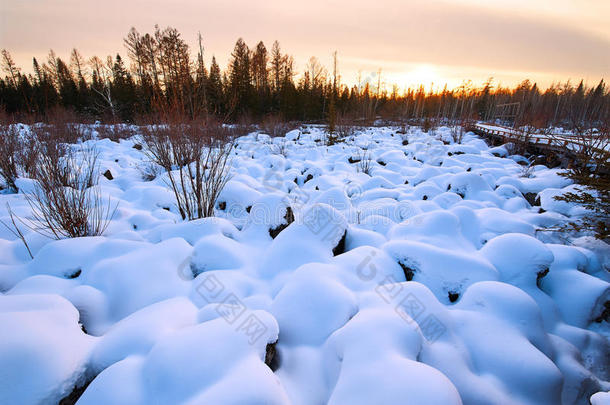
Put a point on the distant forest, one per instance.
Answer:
(162, 76)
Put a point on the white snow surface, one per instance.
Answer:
(425, 281)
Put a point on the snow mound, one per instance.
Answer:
(42, 347)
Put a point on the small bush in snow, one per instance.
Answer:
(364, 164)
(149, 171)
(64, 202)
(114, 132)
(196, 159)
(280, 148)
(457, 133)
(527, 171)
(275, 126)
(591, 172)
(10, 145)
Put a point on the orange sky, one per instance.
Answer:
(412, 41)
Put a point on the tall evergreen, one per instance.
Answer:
(214, 90)
(240, 81)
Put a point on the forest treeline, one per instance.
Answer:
(163, 75)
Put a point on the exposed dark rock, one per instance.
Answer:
(409, 272)
(76, 393)
(74, 274)
(222, 205)
(309, 177)
(272, 358)
(540, 276)
(108, 175)
(340, 248)
(605, 315)
(288, 217)
(453, 296)
(532, 200)
(137, 146)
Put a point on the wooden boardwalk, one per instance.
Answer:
(562, 144)
(559, 149)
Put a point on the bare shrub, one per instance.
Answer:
(275, 126)
(115, 132)
(527, 171)
(429, 124)
(63, 201)
(15, 230)
(345, 126)
(592, 149)
(19, 149)
(458, 132)
(5, 118)
(404, 128)
(10, 147)
(280, 148)
(28, 154)
(66, 126)
(364, 162)
(149, 171)
(196, 159)
(591, 172)
(332, 137)
(243, 126)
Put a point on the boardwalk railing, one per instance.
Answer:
(565, 144)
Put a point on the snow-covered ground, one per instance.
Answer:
(422, 282)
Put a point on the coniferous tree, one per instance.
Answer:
(260, 79)
(68, 91)
(123, 90)
(240, 83)
(214, 90)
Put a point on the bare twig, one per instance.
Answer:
(15, 229)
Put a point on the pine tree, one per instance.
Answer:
(240, 83)
(214, 90)
(68, 91)
(123, 89)
(260, 78)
